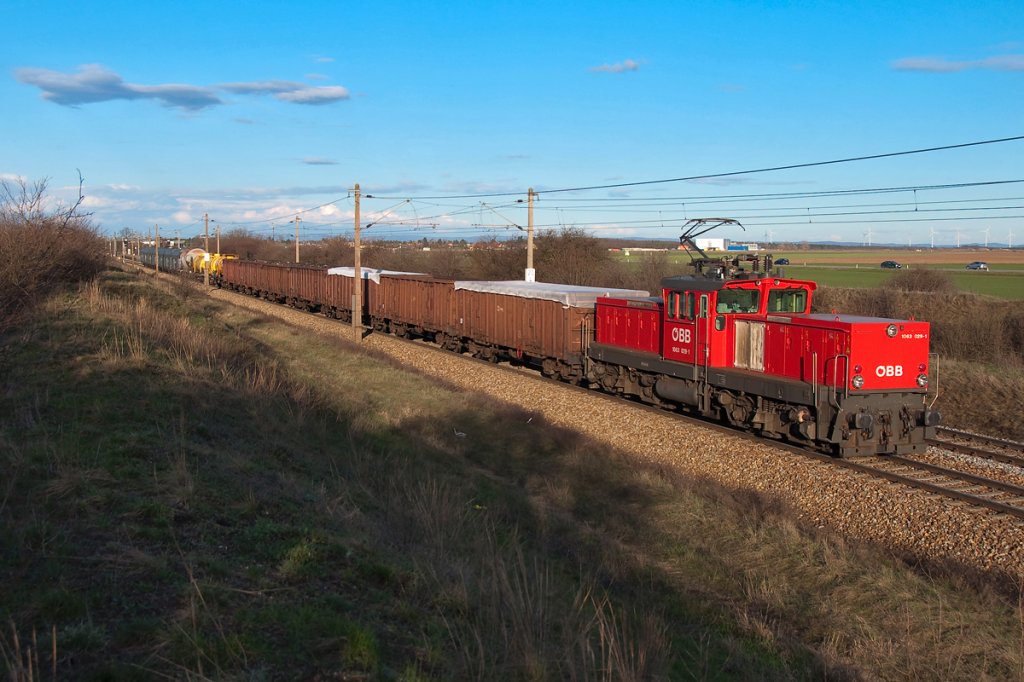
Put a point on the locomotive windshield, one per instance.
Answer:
(787, 300)
(738, 301)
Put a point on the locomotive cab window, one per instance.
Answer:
(787, 301)
(680, 305)
(738, 301)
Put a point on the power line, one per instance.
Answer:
(712, 176)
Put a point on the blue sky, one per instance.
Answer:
(253, 112)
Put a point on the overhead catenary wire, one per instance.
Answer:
(656, 201)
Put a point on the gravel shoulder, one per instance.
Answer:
(855, 505)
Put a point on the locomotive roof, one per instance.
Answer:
(566, 294)
(699, 283)
(691, 283)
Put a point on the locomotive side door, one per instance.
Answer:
(680, 327)
(703, 330)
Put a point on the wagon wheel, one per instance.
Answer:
(740, 411)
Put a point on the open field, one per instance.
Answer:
(860, 268)
(196, 491)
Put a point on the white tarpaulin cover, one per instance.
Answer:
(566, 294)
(368, 273)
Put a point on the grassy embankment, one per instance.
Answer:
(195, 491)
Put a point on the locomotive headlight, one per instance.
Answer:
(922, 380)
(891, 330)
(858, 381)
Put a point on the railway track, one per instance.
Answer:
(983, 447)
(979, 491)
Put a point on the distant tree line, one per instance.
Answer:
(568, 256)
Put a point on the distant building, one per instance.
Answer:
(711, 244)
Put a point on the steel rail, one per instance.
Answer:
(975, 500)
(994, 455)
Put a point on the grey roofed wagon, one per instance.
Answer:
(368, 273)
(566, 294)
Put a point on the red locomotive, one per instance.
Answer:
(749, 352)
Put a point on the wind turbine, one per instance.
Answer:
(987, 229)
(931, 234)
(1009, 239)
(867, 237)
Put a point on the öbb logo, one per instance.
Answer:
(889, 371)
(681, 334)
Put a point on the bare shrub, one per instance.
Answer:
(498, 260)
(931, 281)
(653, 267)
(41, 248)
(571, 256)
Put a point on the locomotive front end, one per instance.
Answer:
(879, 392)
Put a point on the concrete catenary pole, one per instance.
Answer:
(206, 247)
(156, 248)
(297, 219)
(357, 280)
(530, 272)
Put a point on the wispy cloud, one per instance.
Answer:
(1006, 62)
(621, 67)
(316, 161)
(290, 91)
(93, 83)
(324, 60)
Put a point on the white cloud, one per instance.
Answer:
(1006, 62)
(314, 95)
(621, 67)
(93, 83)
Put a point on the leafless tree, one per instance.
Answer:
(42, 247)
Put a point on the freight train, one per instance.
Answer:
(183, 260)
(743, 349)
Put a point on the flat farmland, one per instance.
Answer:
(860, 267)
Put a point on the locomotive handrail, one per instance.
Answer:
(834, 393)
(935, 366)
(814, 379)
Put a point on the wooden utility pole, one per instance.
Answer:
(206, 247)
(530, 272)
(297, 238)
(357, 281)
(218, 238)
(156, 248)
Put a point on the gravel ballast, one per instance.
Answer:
(855, 505)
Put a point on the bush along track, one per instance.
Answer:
(200, 491)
